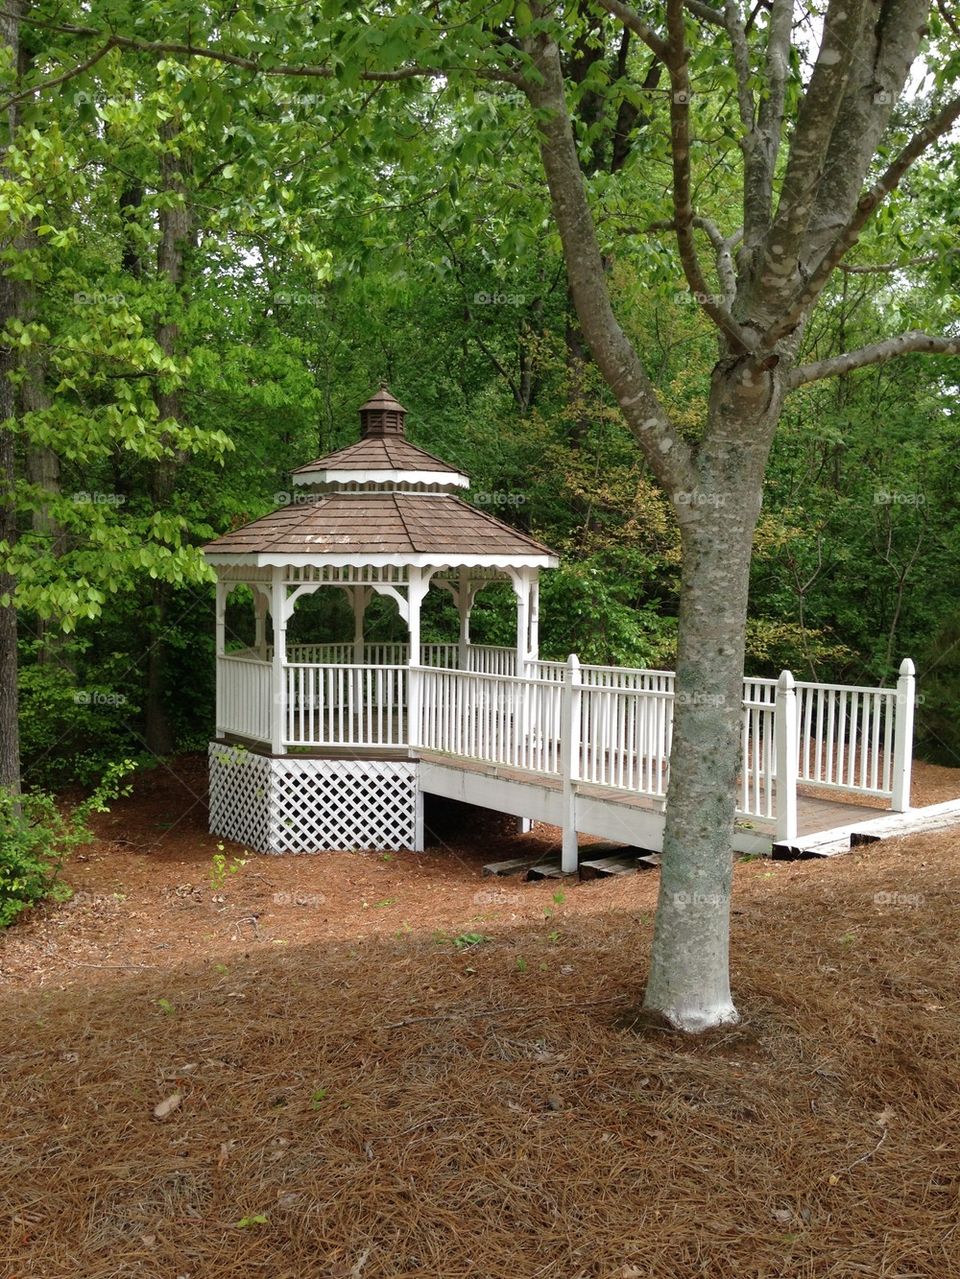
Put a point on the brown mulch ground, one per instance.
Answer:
(361, 1097)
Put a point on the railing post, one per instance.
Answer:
(903, 736)
(787, 748)
(570, 714)
(220, 648)
(278, 610)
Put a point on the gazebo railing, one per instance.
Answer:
(829, 736)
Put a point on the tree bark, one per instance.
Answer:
(9, 307)
(174, 237)
(689, 982)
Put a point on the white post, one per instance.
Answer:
(522, 589)
(464, 604)
(570, 755)
(533, 645)
(220, 648)
(787, 746)
(418, 585)
(279, 614)
(903, 736)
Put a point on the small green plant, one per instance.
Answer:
(520, 964)
(317, 1098)
(387, 901)
(559, 897)
(467, 940)
(221, 866)
(554, 936)
(36, 838)
(258, 1219)
(166, 1007)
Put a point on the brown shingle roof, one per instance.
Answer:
(379, 453)
(378, 524)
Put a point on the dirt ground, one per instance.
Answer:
(374, 1066)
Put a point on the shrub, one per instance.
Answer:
(36, 838)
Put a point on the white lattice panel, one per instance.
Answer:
(287, 804)
(239, 795)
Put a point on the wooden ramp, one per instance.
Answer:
(828, 826)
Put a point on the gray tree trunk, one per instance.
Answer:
(9, 307)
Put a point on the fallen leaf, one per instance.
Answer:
(169, 1104)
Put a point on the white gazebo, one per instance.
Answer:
(316, 743)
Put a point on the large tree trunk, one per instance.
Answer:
(174, 237)
(9, 306)
(689, 980)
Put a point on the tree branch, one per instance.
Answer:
(866, 205)
(885, 268)
(876, 353)
(811, 139)
(712, 305)
(630, 18)
(666, 451)
(305, 70)
(69, 74)
(762, 147)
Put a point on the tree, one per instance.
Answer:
(809, 143)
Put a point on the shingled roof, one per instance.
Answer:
(377, 523)
(379, 453)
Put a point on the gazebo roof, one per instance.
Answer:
(388, 453)
(410, 528)
(386, 502)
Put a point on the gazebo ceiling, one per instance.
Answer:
(386, 502)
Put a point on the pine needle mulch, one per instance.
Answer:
(404, 1107)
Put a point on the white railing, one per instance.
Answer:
(345, 705)
(826, 736)
(625, 737)
(499, 719)
(244, 696)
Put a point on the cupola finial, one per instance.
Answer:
(382, 414)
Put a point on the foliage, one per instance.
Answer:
(37, 836)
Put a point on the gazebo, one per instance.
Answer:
(316, 743)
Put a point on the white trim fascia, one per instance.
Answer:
(453, 479)
(278, 559)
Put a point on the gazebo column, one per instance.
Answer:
(466, 593)
(278, 611)
(418, 583)
(533, 639)
(360, 598)
(220, 647)
(523, 586)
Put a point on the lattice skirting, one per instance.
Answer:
(292, 805)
